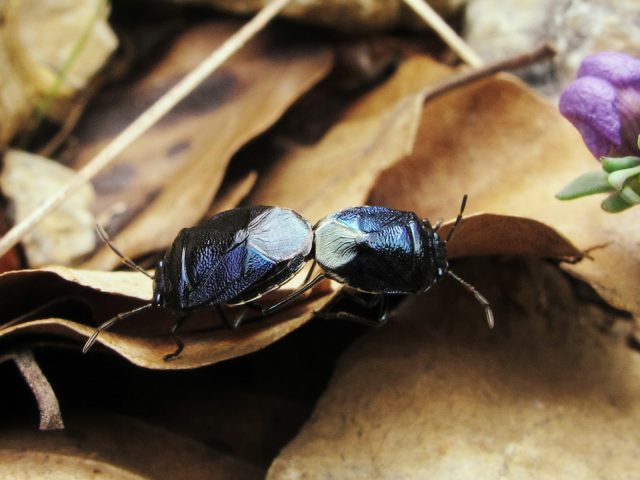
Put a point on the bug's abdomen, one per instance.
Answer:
(374, 249)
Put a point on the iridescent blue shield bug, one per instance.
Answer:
(382, 251)
(231, 259)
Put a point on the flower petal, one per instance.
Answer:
(615, 67)
(590, 104)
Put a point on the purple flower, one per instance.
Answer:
(603, 103)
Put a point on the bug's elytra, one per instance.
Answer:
(239, 255)
(380, 250)
(232, 258)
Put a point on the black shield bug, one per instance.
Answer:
(383, 252)
(231, 259)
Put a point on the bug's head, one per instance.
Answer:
(159, 284)
(440, 245)
(440, 262)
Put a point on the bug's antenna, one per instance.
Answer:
(458, 218)
(487, 306)
(110, 323)
(126, 260)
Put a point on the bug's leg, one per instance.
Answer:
(366, 301)
(369, 322)
(383, 313)
(310, 273)
(290, 298)
(179, 343)
(223, 316)
(240, 318)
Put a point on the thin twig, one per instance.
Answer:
(50, 415)
(468, 76)
(448, 34)
(70, 121)
(145, 121)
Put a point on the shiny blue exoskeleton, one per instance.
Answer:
(380, 250)
(383, 252)
(239, 255)
(233, 258)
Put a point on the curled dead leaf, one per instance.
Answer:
(434, 394)
(167, 179)
(511, 152)
(491, 234)
(107, 446)
(339, 170)
(145, 339)
(37, 39)
(68, 233)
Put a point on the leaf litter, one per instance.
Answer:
(375, 135)
(102, 445)
(175, 170)
(435, 394)
(494, 140)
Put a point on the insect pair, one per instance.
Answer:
(239, 255)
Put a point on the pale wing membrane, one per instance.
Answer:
(279, 234)
(337, 244)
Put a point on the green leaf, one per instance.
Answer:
(615, 203)
(586, 184)
(630, 195)
(618, 178)
(612, 164)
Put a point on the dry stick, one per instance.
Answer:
(145, 121)
(469, 76)
(50, 416)
(442, 28)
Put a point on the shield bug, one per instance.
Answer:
(383, 252)
(231, 259)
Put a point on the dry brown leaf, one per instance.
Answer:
(491, 234)
(435, 394)
(511, 152)
(130, 284)
(143, 339)
(180, 163)
(36, 40)
(341, 168)
(374, 135)
(107, 446)
(233, 194)
(347, 15)
(68, 233)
